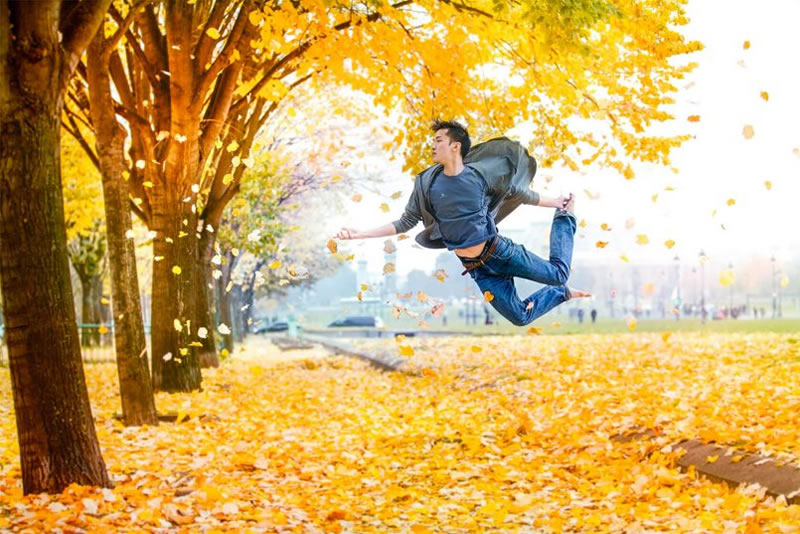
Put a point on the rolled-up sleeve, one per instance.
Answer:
(411, 216)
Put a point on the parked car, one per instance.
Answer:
(278, 326)
(359, 321)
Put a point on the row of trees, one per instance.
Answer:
(173, 94)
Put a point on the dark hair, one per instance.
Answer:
(456, 132)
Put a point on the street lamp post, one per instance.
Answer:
(730, 295)
(677, 302)
(774, 289)
(702, 257)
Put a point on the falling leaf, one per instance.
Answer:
(440, 275)
(765, 96)
(601, 244)
(223, 329)
(232, 146)
(176, 270)
(176, 323)
(632, 323)
(487, 296)
(768, 185)
(332, 246)
(654, 198)
(388, 268)
(360, 296)
(275, 264)
(713, 458)
(641, 239)
(748, 132)
(364, 287)
(605, 227)
(406, 350)
(736, 459)
(746, 45)
(385, 207)
(582, 224)
(476, 348)
(397, 194)
(401, 237)
(534, 330)
(784, 281)
(628, 173)
(727, 277)
(669, 243)
(202, 332)
(693, 118)
(592, 196)
(731, 201)
(624, 258)
(356, 197)
(422, 296)
(213, 33)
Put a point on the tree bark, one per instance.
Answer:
(57, 439)
(174, 308)
(205, 304)
(90, 310)
(135, 385)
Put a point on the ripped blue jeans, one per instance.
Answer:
(510, 260)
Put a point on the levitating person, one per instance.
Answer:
(460, 200)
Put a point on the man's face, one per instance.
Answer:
(443, 149)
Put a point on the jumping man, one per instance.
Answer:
(462, 197)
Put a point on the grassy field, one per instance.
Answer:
(607, 326)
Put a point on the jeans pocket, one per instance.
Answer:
(503, 251)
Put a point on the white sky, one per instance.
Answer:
(716, 165)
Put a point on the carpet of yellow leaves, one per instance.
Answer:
(514, 437)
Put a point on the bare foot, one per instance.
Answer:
(577, 293)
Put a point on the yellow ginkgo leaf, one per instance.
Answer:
(476, 348)
(765, 96)
(746, 45)
(605, 227)
(624, 258)
(727, 277)
(487, 296)
(632, 323)
(385, 207)
(422, 296)
(601, 244)
(641, 239)
(768, 185)
(406, 350)
(397, 194)
(213, 33)
(176, 269)
(693, 118)
(232, 146)
(654, 198)
(364, 287)
(784, 281)
(534, 330)
(356, 198)
(748, 132)
(731, 201)
(332, 246)
(388, 268)
(669, 243)
(360, 296)
(275, 264)
(713, 458)
(582, 224)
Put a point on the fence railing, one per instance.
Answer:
(97, 343)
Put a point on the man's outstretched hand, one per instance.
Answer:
(349, 233)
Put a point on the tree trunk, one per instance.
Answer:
(205, 302)
(135, 385)
(174, 309)
(57, 439)
(225, 314)
(90, 317)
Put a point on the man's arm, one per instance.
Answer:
(380, 231)
(553, 202)
(411, 216)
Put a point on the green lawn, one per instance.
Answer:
(561, 325)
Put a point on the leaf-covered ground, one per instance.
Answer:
(503, 434)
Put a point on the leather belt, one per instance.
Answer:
(470, 264)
